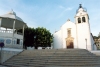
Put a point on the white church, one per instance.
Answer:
(75, 35)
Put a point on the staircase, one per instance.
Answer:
(54, 58)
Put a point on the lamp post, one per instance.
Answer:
(34, 41)
(86, 42)
(1, 46)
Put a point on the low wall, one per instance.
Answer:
(32, 48)
(14, 46)
(8, 53)
(96, 52)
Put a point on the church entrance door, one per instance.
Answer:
(69, 39)
(69, 45)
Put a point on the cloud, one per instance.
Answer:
(61, 7)
(69, 8)
(65, 9)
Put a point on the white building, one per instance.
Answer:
(9, 24)
(75, 35)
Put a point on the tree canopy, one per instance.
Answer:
(37, 37)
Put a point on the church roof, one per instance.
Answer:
(68, 23)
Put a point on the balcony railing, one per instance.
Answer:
(6, 31)
(10, 31)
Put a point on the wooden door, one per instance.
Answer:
(69, 44)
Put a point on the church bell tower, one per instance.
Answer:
(83, 35)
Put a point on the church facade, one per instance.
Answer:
(75, 35)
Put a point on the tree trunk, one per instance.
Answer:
(36, 47)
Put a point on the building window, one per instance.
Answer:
(8, 41)
(79, 20)
(69, 32)
(83, 19)
(18, 41)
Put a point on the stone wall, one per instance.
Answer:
(8, 53)
(14, 46)
(96, 52)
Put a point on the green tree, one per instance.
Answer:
(37, 37)
(28, 37)
(43, 37)
(95, 37)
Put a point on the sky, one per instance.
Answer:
(52, 14)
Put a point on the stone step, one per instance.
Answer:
(57, 52)
(56, 58)
(58, 55)
(63, 58)
(50, 61)
(58, 64)
(31, 58)
(54, 66)
(61, 64)
(59, 59)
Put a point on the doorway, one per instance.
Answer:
(69, 45)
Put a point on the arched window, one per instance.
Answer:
(79, 20)
(83, 19)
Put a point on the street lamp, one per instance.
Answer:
(34, 37)
(34, 41)
(86, 42)
(1, 45)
